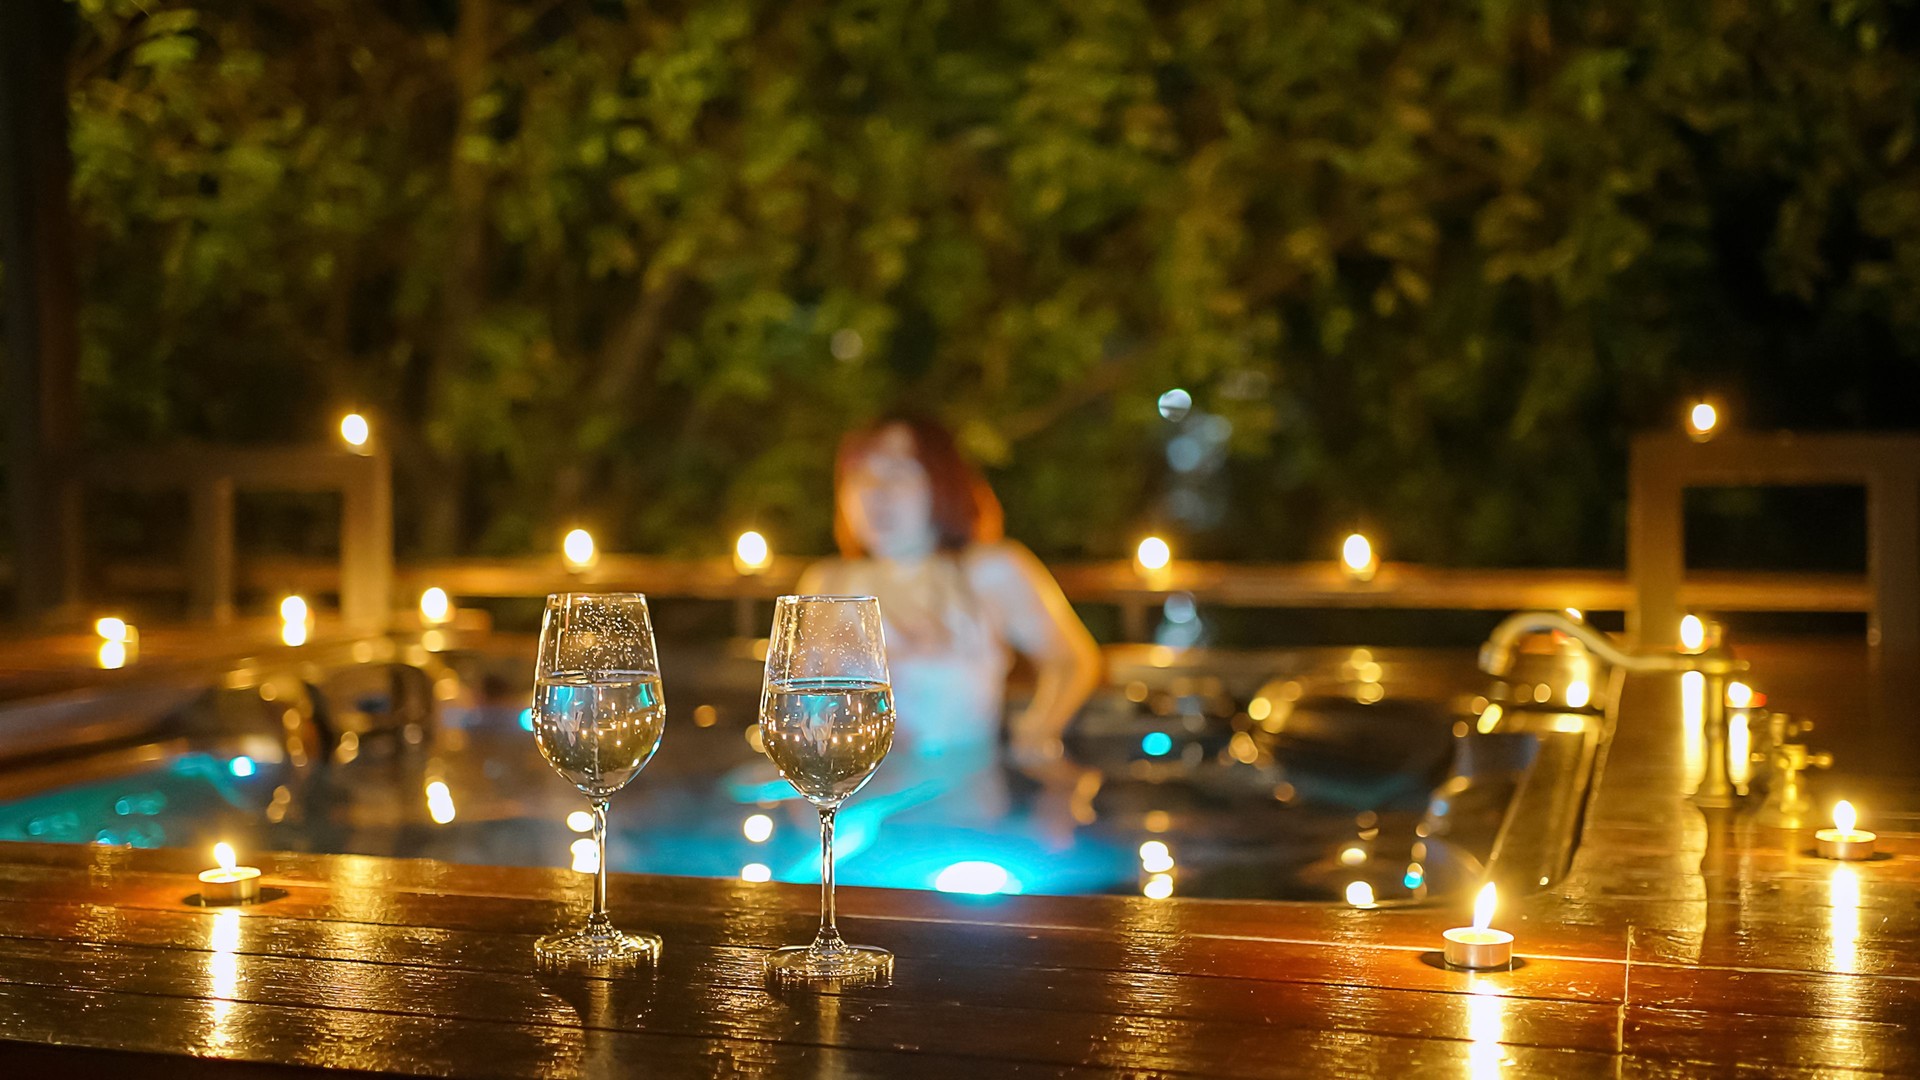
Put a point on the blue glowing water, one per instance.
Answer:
(933, 823)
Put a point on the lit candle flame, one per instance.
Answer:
(1357, 553)
(1739, 695)
(440, 802)
(1693, 633)
(435, 605)
(578, 548)
(1579, 694)
(1483, 908)
(1843, 816)
(1153, 554)
(223, 854)
(751, 552)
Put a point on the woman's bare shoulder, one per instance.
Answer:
(1001, 564)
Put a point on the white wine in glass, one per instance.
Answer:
(826, 717)
(827, 735)
(598, 714)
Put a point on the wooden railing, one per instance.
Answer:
(211, 476)
(1653, 592)
(1253, 585)
(1664, 466)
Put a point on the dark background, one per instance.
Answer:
(1423, 268)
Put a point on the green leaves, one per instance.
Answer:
(1431, 262)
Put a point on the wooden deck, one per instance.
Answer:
(1682, 944)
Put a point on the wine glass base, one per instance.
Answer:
(597, 945)
(847, 965)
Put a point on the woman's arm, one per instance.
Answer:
(1037, 621)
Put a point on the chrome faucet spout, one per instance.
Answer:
(1716, 663)
(1496, 656)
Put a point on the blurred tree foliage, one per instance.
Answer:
(637, 264)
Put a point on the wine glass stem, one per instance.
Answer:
(599, 917)
(829, 937)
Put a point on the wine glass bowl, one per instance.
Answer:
(598, 730)
(598, 715)
(827, 720)
(827, 736)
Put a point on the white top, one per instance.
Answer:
(949, 662)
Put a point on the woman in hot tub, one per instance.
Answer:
(918, 527)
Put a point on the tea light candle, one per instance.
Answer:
(230, 884)
(1844, 841)
(1479, 946)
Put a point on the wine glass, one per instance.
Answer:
(598, 714)
(826, 719)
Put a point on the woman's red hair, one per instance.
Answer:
(965, 510)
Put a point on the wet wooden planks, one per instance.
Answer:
(419, 968)
(1683, 943)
